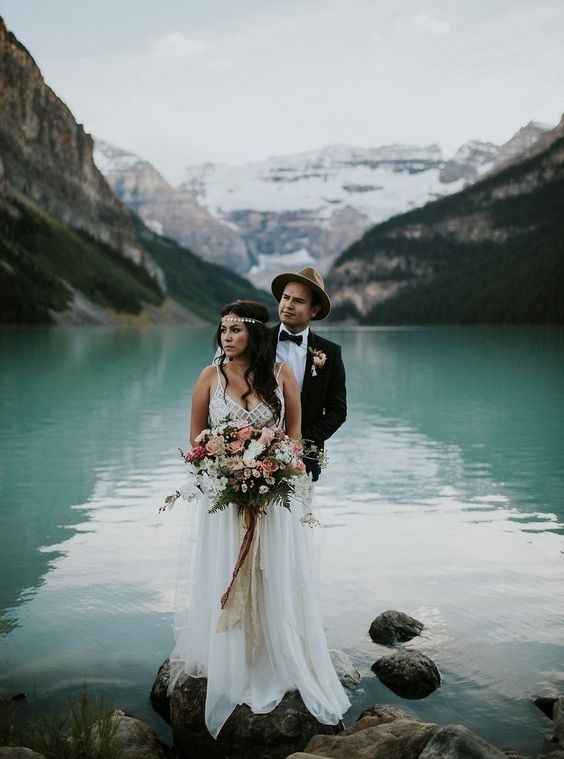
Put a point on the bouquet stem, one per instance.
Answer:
(251, 520)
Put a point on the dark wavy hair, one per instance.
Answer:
(259, 375)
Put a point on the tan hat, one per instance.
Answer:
(307, 276)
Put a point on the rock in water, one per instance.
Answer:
(457, 742)
(245, 735)
(393, 627)
(397, 739)
(347, 673)
(409, 674)
(159, 697)
(387, 732)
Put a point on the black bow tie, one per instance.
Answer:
(298, 339)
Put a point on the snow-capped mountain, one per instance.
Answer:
(168, 211)
(293, 210)
(308, 207)
(377, 182)
(470, 161)
(521, 141)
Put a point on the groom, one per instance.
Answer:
(316, 361)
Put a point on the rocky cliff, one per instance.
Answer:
(492, 252)
(70, 251)
(168, 211)
(47, 157)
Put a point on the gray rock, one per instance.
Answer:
(397, 739)
(457, 742)
(393, 627)
(409, 674)
(379, 714)
(546, 705)
(387, 732)
(159, 697)
(347, 673)
(136, 740)
(558, 718)
(245, 735)
(18, 752)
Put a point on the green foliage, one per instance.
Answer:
(85, 730)
(41, 259)
(278, 495)
(40, 256)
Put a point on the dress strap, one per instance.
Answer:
(279, 370)
(219, 380)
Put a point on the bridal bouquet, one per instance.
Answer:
(250, 467)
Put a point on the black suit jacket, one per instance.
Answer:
(324, 396)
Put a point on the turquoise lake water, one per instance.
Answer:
(444, 498)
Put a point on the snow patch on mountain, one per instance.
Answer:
(378, 182)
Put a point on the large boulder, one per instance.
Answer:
(408, 673)
(388, 732)
(457, 742)
(396, 739)
(245, 735)
(554, 743)
(159, 696)
(558, 719)
(134, 738)
(393, 627)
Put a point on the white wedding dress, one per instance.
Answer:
(269, 639)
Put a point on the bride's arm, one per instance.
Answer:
(200, 402)
(292, 402)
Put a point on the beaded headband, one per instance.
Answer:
(240, 319)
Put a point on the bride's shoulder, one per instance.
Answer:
(207, 374)
(283, 372)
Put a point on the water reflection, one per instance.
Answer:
(444, 498)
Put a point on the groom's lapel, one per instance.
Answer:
(308, 383)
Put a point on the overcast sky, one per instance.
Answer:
(182, 82)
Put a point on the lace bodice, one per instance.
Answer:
(222, 405)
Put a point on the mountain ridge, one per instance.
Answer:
(465, 257)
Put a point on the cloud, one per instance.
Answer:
(176, 45)
(435, 26)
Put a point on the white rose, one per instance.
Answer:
(253, 450)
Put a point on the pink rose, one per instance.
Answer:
(266, 436)
(298, 466)
(196, 454)
(297, 448)
(215, 446)
(269, 466)
(235, 446)
(245, 433)
(201, 437)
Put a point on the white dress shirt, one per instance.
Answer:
(294, 355)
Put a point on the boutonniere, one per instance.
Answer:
(319, 359)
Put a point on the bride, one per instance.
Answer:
(268, 638)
